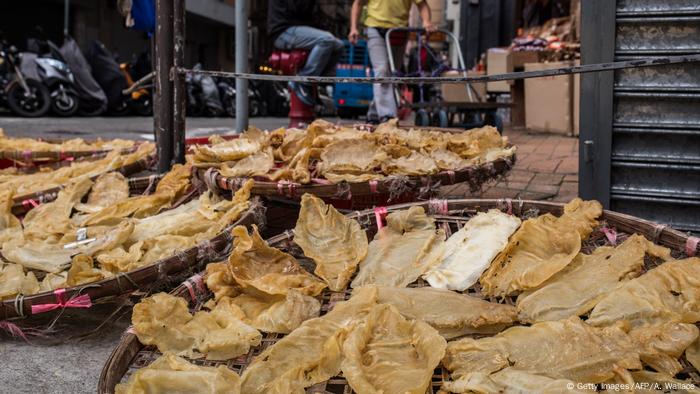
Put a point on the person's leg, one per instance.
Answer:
(384, 100)
(322, 44)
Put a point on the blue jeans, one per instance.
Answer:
(325, 48)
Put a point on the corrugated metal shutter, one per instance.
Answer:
(655, 143)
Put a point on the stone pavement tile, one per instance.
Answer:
(530, 195)
(520, 176)
(564, 197)
(571, 178)
(540, 188)
(498, 192)
(568, 165)
(569, 188)
(513, 185)
(544, 165)
(547, 179)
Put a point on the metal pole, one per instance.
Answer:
(179, 89)
(66, 15)
(163, 100)
(241, 65)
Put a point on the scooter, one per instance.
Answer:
(58, 78)
(24, 96)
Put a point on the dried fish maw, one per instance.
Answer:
(660, 346)
(169, 189)
(164, 320)
(402, 251)
(473, 142)
(667, 293)
(294, 141)
(389, 354)
(452, 314)
(278, 314)
(308, 355)
(576, 289)
(692, 354)
(55, 258)
(50, 220)
(14, 281)
(109, 189)
(469, 251)
(511, 380)
(10, 226)
(220, 281)
(414, 164)
(258, 164)
(357, 156)
(170, 374)
(539, 249)
(234, 149)
(83, 271)
(54, 281)
(257, 267)
(335, 243)
(565, 349)
(448, 160)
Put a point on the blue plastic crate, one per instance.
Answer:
(354, 63)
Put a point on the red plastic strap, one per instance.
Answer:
(27, 155)
(64, 156)
(610, 234)
(509, 205)
(30, 203)
(439, 206)
(373, 185)
(81, 301)
(197, 281)
(691, 246)
(451, 174)
(131, 330)
(379, 214)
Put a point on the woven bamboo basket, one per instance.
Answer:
(35, 158)
(23, 204)
(130, 355)
(173, 269)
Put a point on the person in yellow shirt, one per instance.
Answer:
(383, 15)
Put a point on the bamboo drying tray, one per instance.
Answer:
(130, 355)
(183, 263)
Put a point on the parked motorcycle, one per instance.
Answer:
(203, 95)
(24, 96)
(110, 77)
(93, 100)
(55, 74)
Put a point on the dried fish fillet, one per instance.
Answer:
(164, 320)
(469, 251)
(667, 293)
(565, 349)
(388, 354)
(109, 189)
(511, 380)
(660, 346)
(220, 280)
(448, 160)
(14, 281)
(692, 354)
(257, 267)
(576, 289)
(452, 314)
(278, 314)
(10, 226)
(540, 248)
(353, 157)
(335, 243)
(83, 271)
(170, 374)
(402, 251)
(228, 150)
(72, 145)
(308, 355)
(414, 164)
(257, 164)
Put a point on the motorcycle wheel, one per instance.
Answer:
(122, 109)
(30, 107)
(64, 106)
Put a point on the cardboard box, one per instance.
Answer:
(457, 92)
(549, 100)
(502, 60)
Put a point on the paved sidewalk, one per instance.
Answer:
(546, 169)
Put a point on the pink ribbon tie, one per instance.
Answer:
(379, 214)
(81, 301)
(451, 174)
(30, 203)
(439, 206)
(197, 281)
(691, 246)
(373, 186)
(610, 234)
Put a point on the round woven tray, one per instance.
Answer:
(181, 264)
(364, 195)
(23, 204)
(130, 355)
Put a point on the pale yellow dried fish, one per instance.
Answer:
(351, 157)
(14, 281)
(414, 164)
(257, 164)
(576, 289)
(540, 248)
(335, 243)
(170, 374)
(277, 313)
(257, 267)
(228, 150)
(511, 380)
(385, 353)
(402, 251)
(667, 293)
(109, 189)
(660, 346)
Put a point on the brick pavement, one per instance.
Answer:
(546, 169)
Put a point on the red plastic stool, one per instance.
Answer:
(289, 63)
